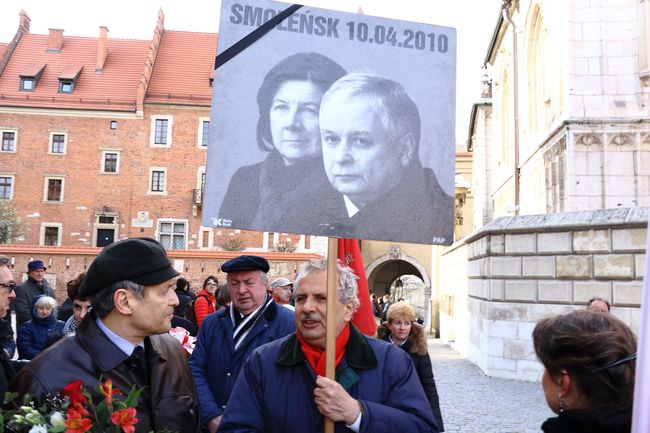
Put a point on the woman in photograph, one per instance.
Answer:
(288, 101)
(589, 366)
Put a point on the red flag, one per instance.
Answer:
(350, 254)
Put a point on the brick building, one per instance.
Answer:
(104, 139)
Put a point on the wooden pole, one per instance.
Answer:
(330, 338)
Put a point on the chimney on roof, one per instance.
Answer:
(55, 40)
(23, 23)
(102, 48)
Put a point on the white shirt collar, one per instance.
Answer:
(350, 207)
(124, 345)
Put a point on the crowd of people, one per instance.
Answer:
(259, 360)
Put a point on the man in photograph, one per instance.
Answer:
(283, 389)
(376, 185)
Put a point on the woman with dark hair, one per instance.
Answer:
(589, 365)
(205, 302)
(288, 102)
(182, 288)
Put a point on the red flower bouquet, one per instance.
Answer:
(73, 411)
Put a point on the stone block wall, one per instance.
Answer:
(522, 269)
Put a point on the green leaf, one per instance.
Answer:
(2, 423)
(10, 396)
(133, 396)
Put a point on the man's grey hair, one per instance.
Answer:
(397, 110)
(264, 278)
(346, 290)
(4, 261)
(102, 301)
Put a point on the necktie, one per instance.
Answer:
(138, 359)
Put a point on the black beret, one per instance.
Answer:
(246, 263)
(141, 260)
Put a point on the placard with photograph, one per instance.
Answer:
(333, 124)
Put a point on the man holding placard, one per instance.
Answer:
(282, 387)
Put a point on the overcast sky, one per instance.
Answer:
(136, 19)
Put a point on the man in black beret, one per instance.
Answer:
(124, 338)
(227, 337)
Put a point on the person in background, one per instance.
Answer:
(589, 367)
(33, 335)
(385, 307)
(598, 304)
(281, 290)
(402, 330)
(206, 302)
(80, 304)
(223, 297)
(283, 388)
(376, 308)
(35, 285)
(184, 298)
(227, 338)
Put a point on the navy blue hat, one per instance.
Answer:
(246, 263)
(35, 264)
(141, 260)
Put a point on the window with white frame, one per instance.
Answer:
(172, 234)
(110, 161)
(58, 142)
(51, 234)
(204, 127)
(157, 180)
(8, 140)
(161, 131)
(6, 186)
(54, 189)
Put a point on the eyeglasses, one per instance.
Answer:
(10, 286)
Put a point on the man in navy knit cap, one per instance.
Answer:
(228, 337)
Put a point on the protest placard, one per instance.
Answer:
(375, 161)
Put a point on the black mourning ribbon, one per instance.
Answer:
(253, 36)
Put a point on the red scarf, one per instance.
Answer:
(316, 356)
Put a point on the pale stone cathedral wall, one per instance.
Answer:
(521, 269)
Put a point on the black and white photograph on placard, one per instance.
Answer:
(333, 124)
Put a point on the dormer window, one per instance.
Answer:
(66, 86)
(27, 84)
(68, 78)
(30, 76)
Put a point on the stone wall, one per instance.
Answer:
(521, 269)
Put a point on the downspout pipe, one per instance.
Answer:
(505, 10)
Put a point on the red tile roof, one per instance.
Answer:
(181, 73)
(113, 89)
(3, 48)
(32, 69)
(71, 72)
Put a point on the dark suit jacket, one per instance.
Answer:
(256, 190)
(417, 210)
